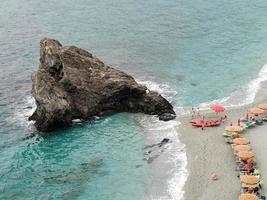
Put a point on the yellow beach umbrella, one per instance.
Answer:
(249, 179)
(262, 106)
(240, 141)
(233, 128)
(245, 155)
(248, 197)
(256, 111)
(238, 148)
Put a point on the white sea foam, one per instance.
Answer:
(165, 90)
(175, 151)
(22, 113)
(177, 159)
(174, 160)
(243, 96)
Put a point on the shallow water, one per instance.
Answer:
(191, 51)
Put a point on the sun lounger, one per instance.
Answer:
(249, 124)
(259, 121)
(227, 134)
(231, 135)
(262, 197)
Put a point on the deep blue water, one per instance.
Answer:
(202, 50)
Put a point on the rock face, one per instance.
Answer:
(71, 83)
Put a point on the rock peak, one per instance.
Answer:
(71, 83)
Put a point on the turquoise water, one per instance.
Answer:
(202, 50)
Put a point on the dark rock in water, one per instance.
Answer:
(160, 144)
(28, 107)
(193, 84)
(80, 174)
(71, 83)
(167, 117)
(152, 158)
(155, 150)
(138, 166)
(163, 142)
(76, 178)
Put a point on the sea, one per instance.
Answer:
(194, 53)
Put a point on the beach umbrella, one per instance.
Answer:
(244, 185)
(238, 148)
(235, 134)
(245, 155)
(248, 197)
(233, 128)
(262, 106)
(249, 179)
(217, 108)
(240, 141)
(256, 111)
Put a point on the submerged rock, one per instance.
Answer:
(167, 117)
(155, 150)
(71, 83)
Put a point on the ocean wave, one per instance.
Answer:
(174, 160)
(179, 160)
(22, 113)
(176, 150)
(165, 90)
(242, 96)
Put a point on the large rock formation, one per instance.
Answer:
(71, 83)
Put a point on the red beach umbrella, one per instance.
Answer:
(217, 108)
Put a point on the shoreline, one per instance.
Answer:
(208, 153)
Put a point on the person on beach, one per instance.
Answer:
(249, 165)
(214, 176)
(193, 112)
(250, 190)
(223, 119)
(198, 112)
(242, 165)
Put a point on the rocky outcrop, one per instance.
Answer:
(71, 83)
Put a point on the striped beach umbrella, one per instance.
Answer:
(233, 128)
(256, 111)
(249, 179)
(238, 148)
(245, 155)
(240, 141)
(262, 106)
(248, 197)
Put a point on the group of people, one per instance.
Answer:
(195, 113)
(246, 163)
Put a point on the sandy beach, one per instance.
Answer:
(208, 153)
